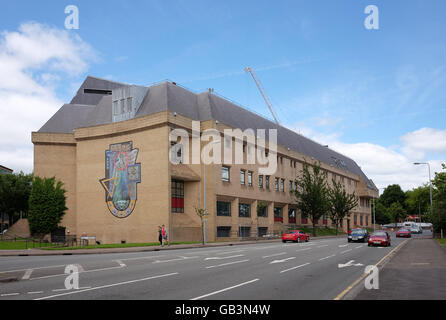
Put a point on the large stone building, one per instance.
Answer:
(110, 146)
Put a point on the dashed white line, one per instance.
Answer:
(65, 289)
(27, 274)
(327, 257)
(358, 247)
(303, 249)
(10, 294)
(346, 250)
(325, 245)
(107, 286)
(35, 292)
(122, 264)
(274, 255)
(223, 290)
(302, 265)
(226, 264)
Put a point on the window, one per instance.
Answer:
(242, 177)
(291, 215)
(282, 185)
(244, 232)
(276, 184)
(262, 231)
(228, 143)
(223, 232)
(244, 210)
(129, 104)
(122, 106)
(278, 215)
(225, 174)
(261, 181)
(223, 208)
(267, 182)
(177, 196)
(250, 178)
(262, 211)
(355, 219)
(291, 185)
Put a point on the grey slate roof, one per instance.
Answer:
(96, 109)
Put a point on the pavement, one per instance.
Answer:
(416, 272)
(318, 269)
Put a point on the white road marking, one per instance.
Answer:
(325, 245)
(229, 252)
(273, 255)
(122, 264)
(9, 294)
(27, 274)
(65, 289)
(349, 264)
(220, 258)
(35, 292)
(358, 247)
(302, 265)
(177, 259)
(346, 250)
(8, 271)
(223, 290)
(303, 249)
(419, 263)
(327, 257)
(108, 286)
(283, 260)
(259, 248)
(226, 264)
(343, 245)
(64, 274)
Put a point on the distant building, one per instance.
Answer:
(4, 170)
(110, 147)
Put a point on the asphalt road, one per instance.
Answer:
(258, 271)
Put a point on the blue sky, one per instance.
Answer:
(376, 95)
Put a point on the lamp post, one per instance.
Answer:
(430, 181)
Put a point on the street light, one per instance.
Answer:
(430, 181)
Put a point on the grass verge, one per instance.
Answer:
(21, 245)
(442, 242)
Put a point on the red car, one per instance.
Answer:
(295, 236)
(403, 233)
(379, 238)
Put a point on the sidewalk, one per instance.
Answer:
(41, 252)
(416, 272)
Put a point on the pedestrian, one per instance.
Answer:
(160, 235)
(164, 233)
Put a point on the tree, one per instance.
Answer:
(341, 203)
(202, 214)
(439, 199)
(312, 193)
(391, 194)
(381, 213)
(396, 212)
(418, 201)
(46, 205)
(14, 193)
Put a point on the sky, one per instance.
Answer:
(378, 96)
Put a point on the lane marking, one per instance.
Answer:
(35, 292)
(121, 264)
(274, 255)
(65, 289)
(303, 249)
(229, 252)
(64, 274)
(325, 245)
(358, 247)
(177, 259)
(343, 245)
(223, 290)
(108, 286)
(302, 265)
(420, 263)
(327, 257)
(37, 268)
(10, 294)
(226, 264)
(283, 260)
(346, 250)
(221, 258)
(350, 287)
(27, 274)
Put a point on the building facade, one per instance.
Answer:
(111, 147)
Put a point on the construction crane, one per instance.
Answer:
(262, 91)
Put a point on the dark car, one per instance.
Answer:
(379, 238)
(358, 235)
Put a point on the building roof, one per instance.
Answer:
(92, 106)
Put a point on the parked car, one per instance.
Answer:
(295, 236)
(403, 233)
(416, 229)
(358, 235)
(379, 238)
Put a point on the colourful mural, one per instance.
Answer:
(122, 174)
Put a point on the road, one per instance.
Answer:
(319, 269)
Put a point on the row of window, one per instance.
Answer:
(244, 232)
(244, 211)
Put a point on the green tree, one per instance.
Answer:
(381, 213)
(14, 193)
(439, 199)
(341, 203)
(46, 205)
(312, 193)
(391, 194)
(396, 212)
(418, 201)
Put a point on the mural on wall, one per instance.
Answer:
(122, 174)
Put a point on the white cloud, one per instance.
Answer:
(386, 165)
(33, 60)
(417, 143)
